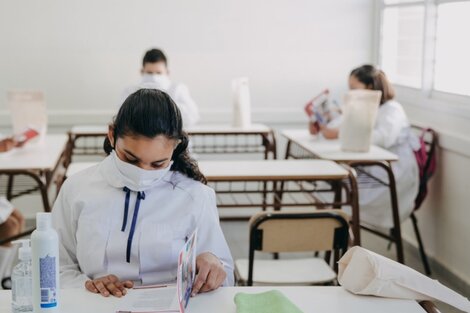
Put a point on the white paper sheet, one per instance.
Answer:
(156, 299)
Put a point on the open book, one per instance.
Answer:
(165, 298)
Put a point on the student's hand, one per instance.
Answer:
(109, 285)
(313, 128)
(210, 273)
(329, 133)
(16, 214)
(12, 226)
(7, 144)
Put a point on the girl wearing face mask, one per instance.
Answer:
(155, 75)
(392, 132)
(123, 221)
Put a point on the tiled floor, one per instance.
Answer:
(236, 234)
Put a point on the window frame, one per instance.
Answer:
(426, 96)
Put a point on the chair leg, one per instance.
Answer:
(424, 258)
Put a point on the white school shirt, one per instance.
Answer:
(392, 132)
(88, 216)
(178, 92)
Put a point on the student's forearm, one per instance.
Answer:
(330, 133)
(72, 278)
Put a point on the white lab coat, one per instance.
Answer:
(88, 216)
(392, 132)
(179, 93)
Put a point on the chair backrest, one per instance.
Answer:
(426, 159)
(323, 230)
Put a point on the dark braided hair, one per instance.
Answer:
(374, 79)
(149, 113)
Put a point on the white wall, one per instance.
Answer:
(83, 53)
(444, 217)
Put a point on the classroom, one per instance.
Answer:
(234, 156)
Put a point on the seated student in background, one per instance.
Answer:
(155, 75)
(11, 224)
(391, 131)
(124, 221)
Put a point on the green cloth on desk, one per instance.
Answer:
(272, 301)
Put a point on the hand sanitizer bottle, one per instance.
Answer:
(45, 261)
(21, 279)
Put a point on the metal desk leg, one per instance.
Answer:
(337, 188)
(10, 186)
(396, 230)
(43, 189)
(396, 216)
(277, 194)
(269, 143)
(354, 199)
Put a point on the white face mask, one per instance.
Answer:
(136, 178)
(161, 81)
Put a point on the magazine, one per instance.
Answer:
(321, 109)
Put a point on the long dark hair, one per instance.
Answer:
(149, 113)
(374, 79)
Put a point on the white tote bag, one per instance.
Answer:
(28, 110)
(359, 114)
(364, 272)
(241, 102)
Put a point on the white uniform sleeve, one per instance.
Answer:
(210, 237)
(390, 122)
(186, 104)
(5, 209)
(65, 223)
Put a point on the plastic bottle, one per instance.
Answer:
(21, 279)
(45, 261)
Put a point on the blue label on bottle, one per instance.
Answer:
(47, 282)
(49, 305)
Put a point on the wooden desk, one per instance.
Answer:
(290, 183)
(308, 299)
(300, 145)
(331, 149)
(205, 139)
(255, 139)
(255, 170)
(38, 160)
(87, 140)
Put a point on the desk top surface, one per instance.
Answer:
(308, 299)
(194, 130)
(331, 149)
(243, 170)
(228, 129)
(41, 155)
(257, 169)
